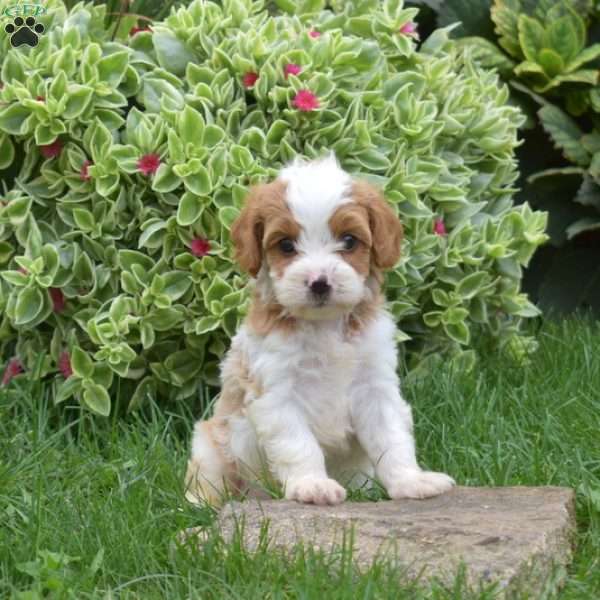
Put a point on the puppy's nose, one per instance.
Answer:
(320, 287)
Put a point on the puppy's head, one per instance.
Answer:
(316, 239)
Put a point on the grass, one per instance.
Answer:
(90, 508)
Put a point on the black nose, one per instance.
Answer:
(320, 288)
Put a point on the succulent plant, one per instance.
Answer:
(126, 161)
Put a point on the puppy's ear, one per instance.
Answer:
(386, 228)
(247, 232)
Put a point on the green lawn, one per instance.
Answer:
(107, 494)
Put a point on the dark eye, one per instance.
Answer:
(349, 241)
(287, 246)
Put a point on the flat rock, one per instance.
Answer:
(519, 537)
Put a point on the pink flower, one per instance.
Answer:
(305, 101)
(292, 69)
(249, 79)
(148, 164)
(59, 301)
(64, 365)
(314, 33)
(410, 29)
(438, 227)
(13, 368)
(52, 150)
(84, 173)
(137, 29)
(22, 270)
(200, 247)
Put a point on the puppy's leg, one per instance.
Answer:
(383, 423)
(293, 453)
(209, 474)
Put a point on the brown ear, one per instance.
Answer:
(247, 232)
(386, 227)
(264, 203)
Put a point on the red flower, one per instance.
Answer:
(14, 367)
(148, 164)
(51, 150)
(438, 227)
(84, 174)
(64, 365)
(314, 33)
(249, 79)
(410, 29)
(40, 98)
(305, 101)
(136, 29)
(58, 299)
(292, 69)
(200, 247)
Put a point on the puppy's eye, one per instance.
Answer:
(287, 246)
(349, 241)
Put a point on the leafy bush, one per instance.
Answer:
(549, 51)
(127, 160)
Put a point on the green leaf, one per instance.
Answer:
(111, 68)
(562, 38)
(12, 119)
(532, 37)
(81, 363)
(565, 134)
(165, 180)
(206, 324)
(189, 210)
(171, 52)
(78, 100)
(551, 62)
(487, 54)
(164, 319)
(15, 278)
(590, 53)
(191, 125)
(217, 290)
(505, 14)
(473, 16)
(199, 183)
(96, 398)
(176, 284)
(146, 389)
(7, 151)
(84, 219)
(30, 303)
(470, 285)
(66, 389)
(459, 332)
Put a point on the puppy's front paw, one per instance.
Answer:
(413, 483)
(315, 490)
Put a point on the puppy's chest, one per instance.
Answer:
(322, 378)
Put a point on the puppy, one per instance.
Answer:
(310, 394)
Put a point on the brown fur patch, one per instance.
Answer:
(367, 310)
(354, 219)
(265, 216)
(265, 318)
(386, 228)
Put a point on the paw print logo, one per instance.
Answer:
(24, 31)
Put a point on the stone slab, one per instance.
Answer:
(519, 537)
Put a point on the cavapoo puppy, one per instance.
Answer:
(309, 387)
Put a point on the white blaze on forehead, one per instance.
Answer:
(315, 190)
